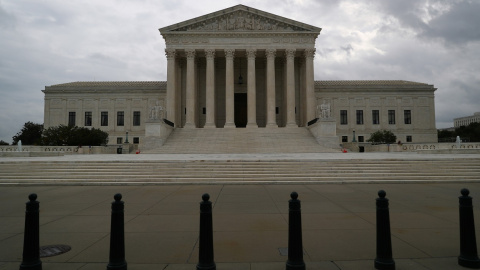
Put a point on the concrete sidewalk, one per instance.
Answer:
(250, 225)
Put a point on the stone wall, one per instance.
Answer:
(67, 150)
(413, 147)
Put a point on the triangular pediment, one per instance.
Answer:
(240, 18)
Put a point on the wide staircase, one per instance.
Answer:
(237, 171)
(240, 140)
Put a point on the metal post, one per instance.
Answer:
(295, 246)
(205, 253)
(468, 242)
(31, 239)
(117, 236)
(384, 260)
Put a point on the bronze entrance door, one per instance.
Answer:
(241, 110)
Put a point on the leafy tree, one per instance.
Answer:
(73, 135)
(31, 134)
(446, 136)
(470, 132)
(382, 136)
(467, 133)
(2, 142)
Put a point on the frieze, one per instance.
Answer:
(205, 39)
(240, 21)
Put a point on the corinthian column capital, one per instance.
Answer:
(309, 53)
(271, 53)
(290, 53)
(170, 53)
(190, 53)
(251, 53)
(229, 53)
(210, 53)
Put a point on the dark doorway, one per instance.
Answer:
(241, 110)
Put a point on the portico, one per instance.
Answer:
(240, 67)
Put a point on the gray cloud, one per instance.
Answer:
(457, 26)
(7, 20)
(49, 42)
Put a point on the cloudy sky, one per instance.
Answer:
(45, 42)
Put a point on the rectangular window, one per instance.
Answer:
(71, 118)
(391, 117)
(361, 139)
(359, 117)
(120, 118)
(119, 140)
(136, 118)
(343, 117)
(136, 140)
(104, 119)
(376, 117)
(88, 119)
(407, 116)
(409, 138)
(344, 138)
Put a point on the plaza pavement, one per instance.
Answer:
(250, 223)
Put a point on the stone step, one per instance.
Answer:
(240, 140)
(284, 171)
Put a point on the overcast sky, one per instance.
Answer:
(46, 42)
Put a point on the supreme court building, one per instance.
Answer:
(243, 67)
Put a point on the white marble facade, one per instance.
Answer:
(242, 67)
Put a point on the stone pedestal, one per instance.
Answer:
(156, 134)
(325, 132)
(127, 148)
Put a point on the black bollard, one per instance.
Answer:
(205, 251)
(31, 238)
(384, 260)
(117, 236)
(295, 246)
(468, 242)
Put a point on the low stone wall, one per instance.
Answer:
(67, 150)
(414, 147)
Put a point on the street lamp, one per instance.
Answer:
(126, 138)
(353, 140)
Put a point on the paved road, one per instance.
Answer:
(250, 225)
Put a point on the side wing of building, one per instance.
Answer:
(403, 107)
(114, 107)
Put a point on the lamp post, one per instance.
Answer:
(353, 140)
(126, 138)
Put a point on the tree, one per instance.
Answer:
(73, 135)
(2, 142)
(446, 135)
(31, 134)
(382, 136)
(470, 132)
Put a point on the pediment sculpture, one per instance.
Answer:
(241, 21)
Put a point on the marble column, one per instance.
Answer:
(171, 86)
(210, 91)
(251, 89)
(290, 88)
(271, 116)
(229, 89)
(190, 95)
(310, 102)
